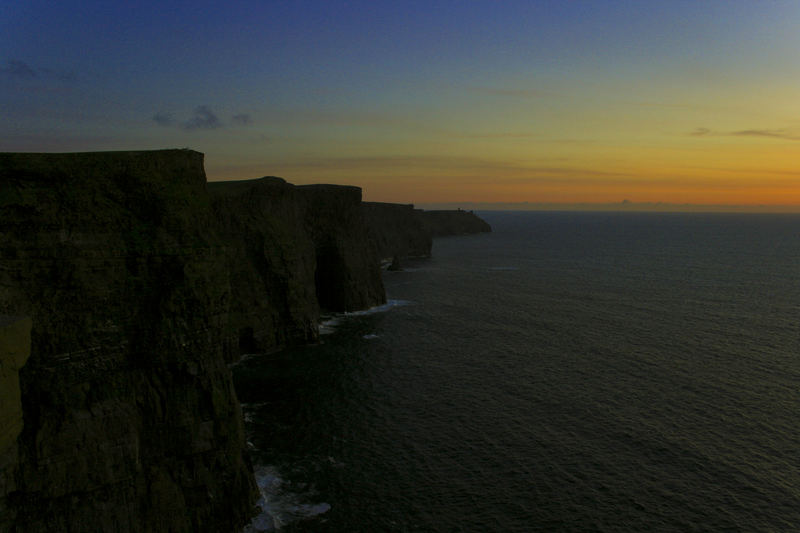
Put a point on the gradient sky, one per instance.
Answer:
(678, 102)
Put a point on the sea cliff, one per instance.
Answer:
(446, 223)
(399, 230)
(131, 422)
(291, 251)
(127, 286)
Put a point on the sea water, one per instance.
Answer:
(567, 372)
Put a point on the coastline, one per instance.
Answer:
(143, 282)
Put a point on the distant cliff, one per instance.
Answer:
(291, 251)
(444, 223)
(127, 283)
(399, 230)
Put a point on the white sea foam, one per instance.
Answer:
(378, 308)
(279, 505)
(328, 326)
(329, 322)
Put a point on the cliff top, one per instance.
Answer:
(235, 187)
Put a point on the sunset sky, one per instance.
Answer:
(496, 101)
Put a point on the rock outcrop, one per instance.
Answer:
(141, 282)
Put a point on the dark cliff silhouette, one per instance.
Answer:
(128, 285)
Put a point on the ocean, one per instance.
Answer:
(568, 372)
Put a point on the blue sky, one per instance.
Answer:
(499, 100)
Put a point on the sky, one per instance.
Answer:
(582, 102)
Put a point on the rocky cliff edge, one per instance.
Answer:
(138, 282)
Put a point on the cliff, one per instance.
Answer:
(139, 282)
(397, 230)
(15, 348)
(444, 223)
(131, 422)
(291, 251)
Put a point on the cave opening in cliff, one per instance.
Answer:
(328, 278)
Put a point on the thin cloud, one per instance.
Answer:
(771, 134)
(19, 69)
(203, 119)
(775, 134)
(163, 119)
(468, 168)
(242, 119)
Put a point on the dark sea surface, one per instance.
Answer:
(567, 372)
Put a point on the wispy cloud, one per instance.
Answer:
(203, 119)
(468, 169)
(776, 134)
(163, 119)
(19, 69)
(772, 134)
(242, 119)
(23, 71)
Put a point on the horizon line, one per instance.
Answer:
(625, 205)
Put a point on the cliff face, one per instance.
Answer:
(15, 348)
(443, 223)
(271, 263)
(348, 274)
(397, 230)
(138, 282)
(291, 251)
(131, 422)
